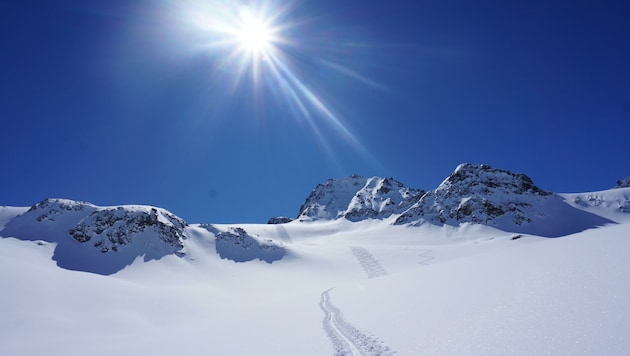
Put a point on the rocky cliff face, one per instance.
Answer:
(356, 198)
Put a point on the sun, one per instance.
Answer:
(254, 35)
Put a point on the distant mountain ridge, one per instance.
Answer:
(474, 194)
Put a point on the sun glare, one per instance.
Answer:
(254, 36)
(258, 40)
(254, 32)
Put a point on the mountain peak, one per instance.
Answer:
(357, 198)
(480, 194)
(472, 175)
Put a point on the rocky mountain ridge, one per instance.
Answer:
(472, 194)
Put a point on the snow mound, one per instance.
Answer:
(237, 245)
(480, 194)
(357, 198)
(96, 239)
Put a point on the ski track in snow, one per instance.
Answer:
(346, 338)
(371, 266)
(283, 233)
(424, 254)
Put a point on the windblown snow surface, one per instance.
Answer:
(331, 287)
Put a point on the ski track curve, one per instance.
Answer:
(370, 265)
(346, 338)
(424, 254)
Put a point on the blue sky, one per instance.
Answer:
(118, 102)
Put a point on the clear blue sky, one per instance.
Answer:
(131, 102)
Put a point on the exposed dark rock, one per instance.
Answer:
(279, 220)
(623, 183)
(237, 245)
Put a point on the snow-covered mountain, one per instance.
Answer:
(480, 194)
(99, 239)
(357, 198)
(472, 194)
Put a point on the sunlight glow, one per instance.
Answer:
(259, 41)
(254, 35)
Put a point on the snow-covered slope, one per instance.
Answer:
(480, 194)
(613, 204)
(349, 288)
(357, 198)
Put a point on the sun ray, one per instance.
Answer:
(260, 42)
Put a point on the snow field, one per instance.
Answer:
(445, 291)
